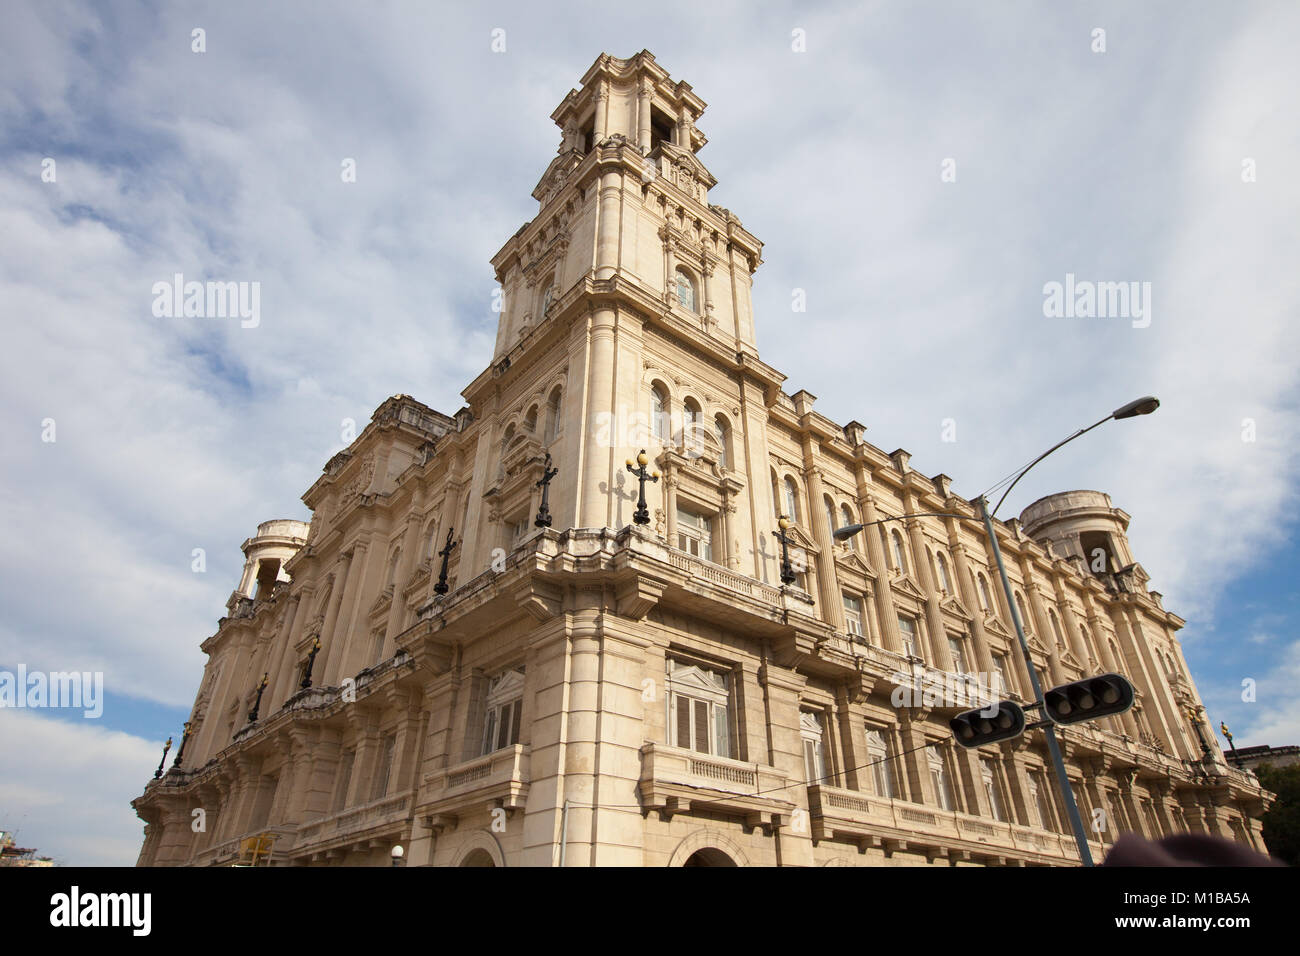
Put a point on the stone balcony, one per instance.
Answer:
(231, 852)
(377, 823)
(673, 780)
(498, 780)
(895, 825)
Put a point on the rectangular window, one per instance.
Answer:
(344, 780)
(958, 656)
(505, 706)
(1000, 674)
(939, 778)
(1038, 797)
(699, 704)
(907, 631)
(853, 616)
(384, 770)
(991, 788)
(878, 755)
(694, 535)
(814, 751)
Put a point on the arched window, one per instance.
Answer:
(1024, 618)
(846, 519)
(431, 540)
(530, 420)
(986, 599)
(720, 433)
(900, 555)
(691, 423)
(945, 583)
(660, 419)
(685, 290)
(393, 561)
(791, 500)
(548, 291)
(1056, 628)
(554, 407)
(830, 514)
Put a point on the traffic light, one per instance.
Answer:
(1088, 699)
(987, 725)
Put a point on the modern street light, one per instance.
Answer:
(397, 855)
(1142, 406)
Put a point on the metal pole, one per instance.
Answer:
(1053, 748)
(564, 831)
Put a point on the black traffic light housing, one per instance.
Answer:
(1001, 721)
(1088, 699)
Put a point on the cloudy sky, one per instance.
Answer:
(1169, 158)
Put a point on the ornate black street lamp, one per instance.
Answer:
(166, 747)
(1235, 757)
(185, 738)
(441, 586)
(1194, 716)
(642, 513)
(543, 519)
(257, 704)
(311, 662)
(787, 570)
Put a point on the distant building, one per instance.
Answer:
(11, 855)
(1252, 757)
(424, 665)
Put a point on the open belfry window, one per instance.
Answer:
(505, 705)
(699, 704)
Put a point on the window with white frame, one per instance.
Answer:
(791, 500)
(991, 788)
(519, 529)
(660, 417)
(814, 751)
(945, 584)
(685, 290)
(694, 535)
(384, 769)
(343, 779)
(1038, 800)
(720, 433)
(1000, 674)
(846, 519)
(878, 756)
(986, 599)
(853, 616)
(699, 703)
(505, 705)
(958, 655)
(907, 631)
(900, 555)
(939, 778)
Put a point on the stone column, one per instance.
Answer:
(348, 643)
(961, 568)
(596, 470)
(940, 655)
(883, 591)
(1042, 623)
(832, 610)
(330, 648)
(643, 105)
(285, 670)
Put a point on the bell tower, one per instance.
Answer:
(626, 247)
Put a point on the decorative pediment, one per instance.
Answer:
(994, 626)
(684, 170)
(904, 585)
(505, 687)
(950, 605)
(556, 176)
(852, 562)
(689, 677)
(799, 538)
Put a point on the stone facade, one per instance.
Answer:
(604, 693)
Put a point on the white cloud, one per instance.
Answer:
(68, 787)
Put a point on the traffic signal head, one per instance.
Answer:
(1000, 721)
(1088, 699)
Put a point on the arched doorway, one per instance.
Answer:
(478, 857)
(709, 856)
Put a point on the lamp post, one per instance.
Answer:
(787, 570)
(257, 704)
(642, 513)
(1227, 733)
(1195, 717)
(311, 662)
(397, 855)
(166, 747)
(1142, 406)
(180, 751)
(445, 553)
(543, 519)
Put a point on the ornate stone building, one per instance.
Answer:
(602, 692)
